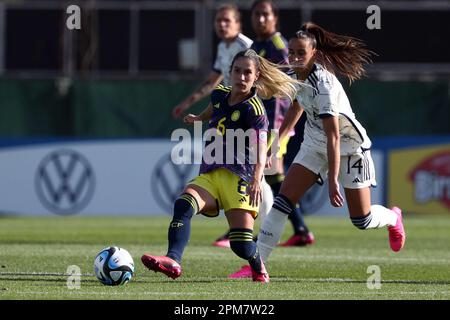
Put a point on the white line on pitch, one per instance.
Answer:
(328, 293)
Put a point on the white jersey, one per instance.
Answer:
(324, 96)
(226, 53)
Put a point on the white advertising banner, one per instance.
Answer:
(118, 177)
(122, 177)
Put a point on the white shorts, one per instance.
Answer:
(356, 171)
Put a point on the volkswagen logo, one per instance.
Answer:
(65, 182)
(168, 180)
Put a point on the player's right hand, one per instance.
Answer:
(190, 118)
(255, 193)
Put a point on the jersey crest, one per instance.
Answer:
(235, 115)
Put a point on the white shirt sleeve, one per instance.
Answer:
(327, 97)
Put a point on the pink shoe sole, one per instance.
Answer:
(151, 262)
(245, 272)
(397, 235)
(299, 240)
(222, 243)
(262, 277)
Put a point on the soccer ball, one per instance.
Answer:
(114, 266)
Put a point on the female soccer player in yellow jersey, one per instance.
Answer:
(234, 186)
(227, 25)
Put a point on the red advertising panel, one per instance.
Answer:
(419, 179)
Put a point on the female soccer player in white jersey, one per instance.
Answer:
(227, 24)
(234, 186)
(335, 144)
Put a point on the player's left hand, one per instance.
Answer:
(254, 191)
(336, 198)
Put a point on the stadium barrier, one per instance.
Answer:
(137, 177)
(110, 177)
(142, 108)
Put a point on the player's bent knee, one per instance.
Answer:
(241, 243)
(185, 206)
(243, 249)
(362, 222)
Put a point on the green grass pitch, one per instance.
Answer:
(36, 252)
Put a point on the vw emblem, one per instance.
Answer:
(168, 181)
(65, 182)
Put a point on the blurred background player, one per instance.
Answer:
(335, 144)
(235, 187)
(227, 24)
(271, 45)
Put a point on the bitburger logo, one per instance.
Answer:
(431, 179)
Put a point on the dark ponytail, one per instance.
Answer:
(337, 53)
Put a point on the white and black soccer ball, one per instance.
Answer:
(114, 266)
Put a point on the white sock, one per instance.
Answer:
(381, 217)
(270, 232)
(267, 201)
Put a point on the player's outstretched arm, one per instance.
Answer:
(210, 83)
(204, 116)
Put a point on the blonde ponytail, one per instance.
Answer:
(273, 82)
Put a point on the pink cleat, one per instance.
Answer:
(299, 240)
(397, 235)
(262, 276)
(245, 272)
(163, 264)
(223, 243)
